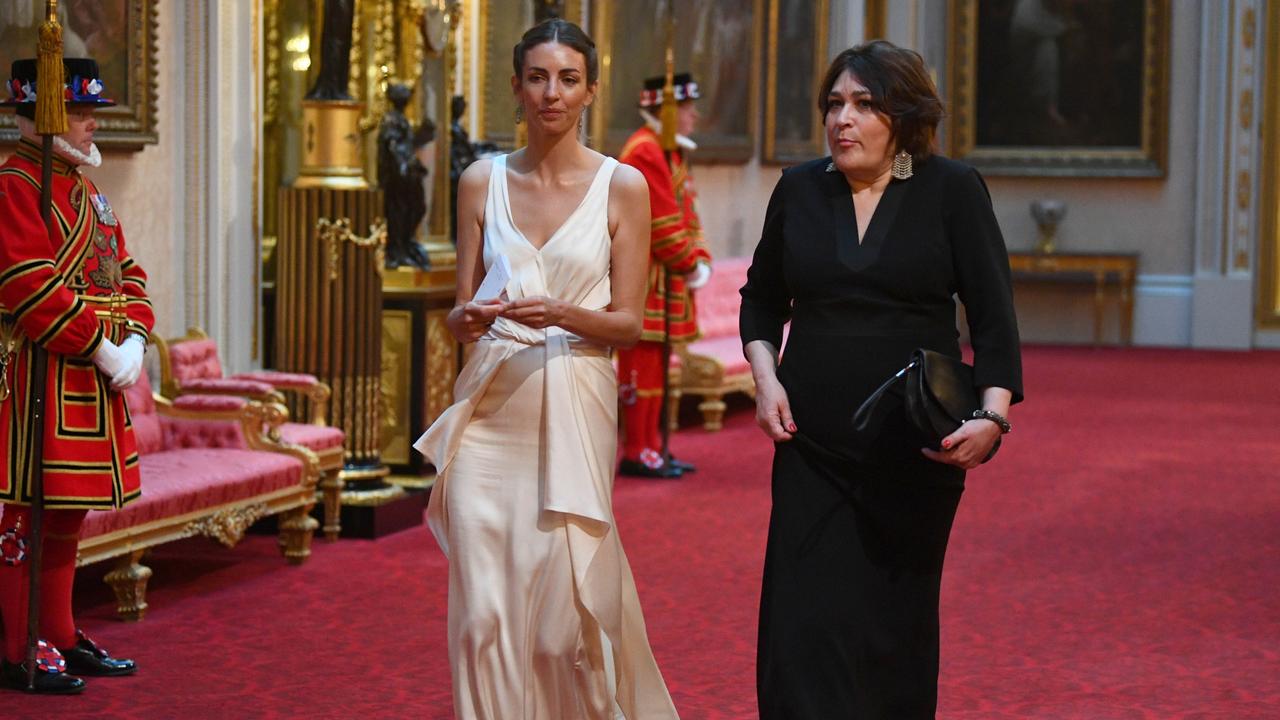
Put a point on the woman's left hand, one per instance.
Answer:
(968, 446)
(537, 312)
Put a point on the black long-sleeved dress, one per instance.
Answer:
(849, 607)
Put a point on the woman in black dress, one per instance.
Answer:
(863, 252)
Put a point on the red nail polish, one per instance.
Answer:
(792, 427)
(946, 444)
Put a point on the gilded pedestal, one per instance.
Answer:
(420, 362)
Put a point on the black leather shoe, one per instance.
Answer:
(14, 675)
(86, 658)
(635, 468)
(682, 466)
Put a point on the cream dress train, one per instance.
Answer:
(544, 620)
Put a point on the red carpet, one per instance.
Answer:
(1120, 559)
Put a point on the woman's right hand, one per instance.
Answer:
(773, 410)
(469, 322)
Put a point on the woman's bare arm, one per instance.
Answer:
(467, 321)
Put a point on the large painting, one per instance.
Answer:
(797, 57)
(502, 24)
(120, 35)
(1060, 87)
(717, 40)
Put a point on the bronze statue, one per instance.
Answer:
(400, 174)
(335, 52)
(462, 152)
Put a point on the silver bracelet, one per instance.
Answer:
(993, 416)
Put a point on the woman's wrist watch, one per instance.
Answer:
(993, 416)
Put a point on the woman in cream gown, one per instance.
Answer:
(544, 620)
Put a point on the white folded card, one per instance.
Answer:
(495, 281)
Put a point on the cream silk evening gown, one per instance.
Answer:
(544, 620)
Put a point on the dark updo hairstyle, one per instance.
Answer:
(557, 30)
(900, 88)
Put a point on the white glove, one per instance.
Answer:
(109, 358)
(133, 350)
(699, 277)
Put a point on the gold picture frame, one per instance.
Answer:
(719, 41)
(121, 36)
(1081, 93)
(796, 50)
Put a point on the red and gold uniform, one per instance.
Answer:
(676, 246)
(72, 289)
(67, 295)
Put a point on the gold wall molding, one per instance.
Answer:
(196, 86)
(875, 20)
(1238, 245)
(442, 365)
(601, 31)
(394, 392)
(1267, 314)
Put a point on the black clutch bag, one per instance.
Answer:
(937, 392)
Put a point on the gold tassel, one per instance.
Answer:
(669, 117)
(51, 109)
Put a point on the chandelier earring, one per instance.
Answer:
(519, 113)
(901, 165)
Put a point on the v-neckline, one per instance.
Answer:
(511, 217)
(854, 253)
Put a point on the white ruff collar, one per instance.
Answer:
(93, 158)
(655, 125)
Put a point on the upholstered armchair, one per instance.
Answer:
(209, 467)
(190, 364)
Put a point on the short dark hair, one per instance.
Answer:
(900, 88)
(557, 30)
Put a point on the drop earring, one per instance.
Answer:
(901, 165)
(519, 114)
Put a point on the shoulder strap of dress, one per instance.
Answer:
(496, 204)
(604, 176)
(498, 178)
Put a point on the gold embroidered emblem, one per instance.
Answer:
(77, 198)
(9, 339)
(108, 276)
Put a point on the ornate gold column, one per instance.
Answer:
(329, 308)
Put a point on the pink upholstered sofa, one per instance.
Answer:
(208, 468)
(713, 366)
(190, 364)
